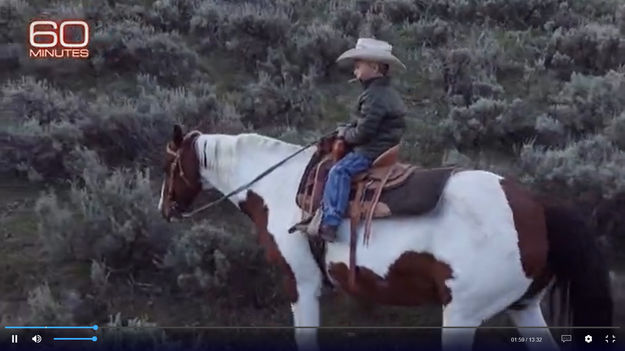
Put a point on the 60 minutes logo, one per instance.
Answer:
(57, 45)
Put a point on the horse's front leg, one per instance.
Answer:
(307, 278)
(458, 328)
(306, 316)
(304, 280)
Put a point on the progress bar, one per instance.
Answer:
(93, 338)
(245, 327)
(94, 327)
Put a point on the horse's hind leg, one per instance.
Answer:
(531, 315)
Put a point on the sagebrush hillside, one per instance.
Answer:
(529, 88)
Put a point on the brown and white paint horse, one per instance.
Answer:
(487, 247)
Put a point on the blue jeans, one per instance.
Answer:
(337, 187)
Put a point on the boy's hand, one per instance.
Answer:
(340, 131)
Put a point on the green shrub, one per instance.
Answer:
(377, 26)
(208, 259)
(229, 120)
(520, 49)
(96, 13)
(471, 125)
(588, 166)
(594, 9)
(108, 216)
(562, 65)
(135, 334)
(194, 105)
(426, 137)
(136, 129)
(115, 321)
(55, 219)
(206, 22)
(593, 48)
(99, 275)
(518, 14)
(28, 98)
(346, 20)
(426, 33)
(125, 130)
(272, 102)
(170, 59)
(456, 73)
(122, 12)
(197, 260)
(245, 29)
(587, 104)
(620, 19)
(471, 71)
(457, 10)
(616, 130)
(536, 85)
(45, 308)
(39, 152)
(130, 47)
(486, 52)
(564, 18)
(549, 131)
(169, 15)
(39, 130)
(45, 124)
(399, 11)
(278, 64)
(317, 46)
(61, 10)
(14, 18)
(491, 123)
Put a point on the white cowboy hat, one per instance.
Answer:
(371, 50)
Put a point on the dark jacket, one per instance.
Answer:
(378, 119)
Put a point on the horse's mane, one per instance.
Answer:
(221, 151)
(257, 140)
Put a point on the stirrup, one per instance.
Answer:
(309, 225)
(301, 226)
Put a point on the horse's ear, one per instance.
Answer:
(178, 136)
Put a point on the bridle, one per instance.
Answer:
(176, 163)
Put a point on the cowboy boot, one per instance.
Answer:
(309, 225)
(301, 226)
(328, 232)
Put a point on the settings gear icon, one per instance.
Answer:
(588, 339)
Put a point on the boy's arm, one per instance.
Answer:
(372, 111)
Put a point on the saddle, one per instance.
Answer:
(388, 188)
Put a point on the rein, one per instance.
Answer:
(259, 177)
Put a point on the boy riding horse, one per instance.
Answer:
(378, 125)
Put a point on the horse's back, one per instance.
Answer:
(471, 229)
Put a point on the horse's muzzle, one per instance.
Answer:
(174, 212)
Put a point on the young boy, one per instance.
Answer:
(379, 125)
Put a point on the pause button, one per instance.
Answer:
(13, 339)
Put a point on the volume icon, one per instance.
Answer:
(37, 338)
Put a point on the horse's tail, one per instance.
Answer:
(581, 272)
